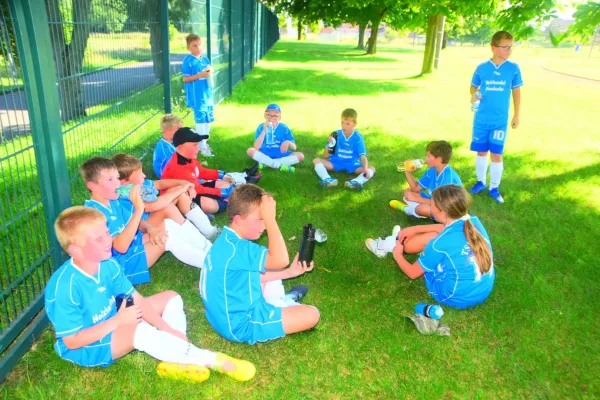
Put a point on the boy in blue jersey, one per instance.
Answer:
(236, 271)
(439, 173)
(350, 155)
(138, 243)
(91, 331)
(495, 80)
(175, 201)
(164, 149)
(196, 71)
(274, 143)
(456, 258)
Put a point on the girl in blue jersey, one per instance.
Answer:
(456, 258)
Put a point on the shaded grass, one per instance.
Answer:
(536, 336)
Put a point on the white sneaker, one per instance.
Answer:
(373, 245)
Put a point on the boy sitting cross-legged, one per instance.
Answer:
(349, 156)
(91, 331)
(137, 243)
(236, 269)
(177, 192)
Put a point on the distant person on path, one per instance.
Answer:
(196, 71)
(494, 80)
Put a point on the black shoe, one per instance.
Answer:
(253, 170)
(253, 179)
(297, 293)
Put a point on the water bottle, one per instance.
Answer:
(119, 300)
(307, 246)
(475, 105)
(332, 143)
(410, 165)
(429, 310)
(148, 194)
(270, 133)
(210, 80)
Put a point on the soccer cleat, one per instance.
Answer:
(373, 246)
(287, 168)
(479, 187)
(243, 371)
(354, 184)
(297, 293)
(328, 182)
(398, 205)
(183, 372)
(495, 194)
(253, 179)
(253, 170)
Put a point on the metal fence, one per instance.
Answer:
(81, 78)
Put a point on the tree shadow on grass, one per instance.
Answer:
(318, 52)
(284, 85)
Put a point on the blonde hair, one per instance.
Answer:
(243, 200)
(91, 169)
(71, 221)
(350, 113)
(499, 36)
(455, 201)
(170, 121)
(126, 164)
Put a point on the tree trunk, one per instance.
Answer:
(361, 35)
(445, 40)
(299, 29)
(372, 44)
(439, 25)
(428, 56)
(68, 58)
(156, 44)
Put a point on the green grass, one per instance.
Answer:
(535, 337)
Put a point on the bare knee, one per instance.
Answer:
(300, 157)
(317, 161)
(497, 158)
(313, 316)
(251, 151)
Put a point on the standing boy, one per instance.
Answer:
(495, 80)
(196, 69)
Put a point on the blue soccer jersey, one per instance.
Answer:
(431, 180)
(495, 83)
(451, 275)
(76, 301)
(133, 261)
(162, 154)
(272, 143)
(198, 95)
(232, 294)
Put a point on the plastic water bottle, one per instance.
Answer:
(270, 137)
(475, 104)
(210, 80)
(332, 143)
(429, 310)
(410, 165)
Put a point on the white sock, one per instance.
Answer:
(167, 347)
(388, 244)
(411, 209)
(481, 165)
(322, 171)
(496, 174)
(174, 315)
(178, 244)
(265, 159)
(203, 129)
(201, 221)
(193, 236)
(274, 293)
(289, 160)
(362, 178)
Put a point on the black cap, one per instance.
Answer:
(185, 135)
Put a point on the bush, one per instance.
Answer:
(172, 32)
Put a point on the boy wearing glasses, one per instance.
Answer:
(274, 143)
(495, 80)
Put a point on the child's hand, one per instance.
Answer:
(192, 192)
(285, 146)
(298, 268)
(229, 179)
(399, 249)
(367, 173)
(129, 315)
(268, 207)
(136, 198)
(209, 69)
(515, 122)
(157, 237)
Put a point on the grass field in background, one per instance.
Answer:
(537, 334)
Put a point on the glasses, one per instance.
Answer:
(272, 115)
(505, 47)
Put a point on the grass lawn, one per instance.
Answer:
(536, 336)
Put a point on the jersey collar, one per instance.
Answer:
(497, 66)
(169, 143)
(82, 272)
(181, 160)
(109, 208)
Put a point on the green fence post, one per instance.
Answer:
(230, 22)
(252, 33)
(166, 52)
(243, 29)
(208, 34)
(32, 37)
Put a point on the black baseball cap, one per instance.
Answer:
(185, 135)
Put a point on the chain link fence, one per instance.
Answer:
(83, 78)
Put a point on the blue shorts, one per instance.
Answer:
(134, 262)
(348, 166)
(264, 323)
(489, 137)
(97, 354)
(204, 115)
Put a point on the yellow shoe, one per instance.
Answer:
(398, 205)
(183, 372)
(244, 370)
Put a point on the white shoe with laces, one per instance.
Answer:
(373, 246)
